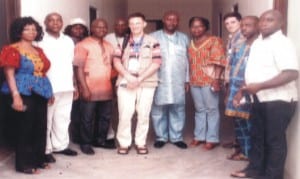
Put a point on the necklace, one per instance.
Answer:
(200, 44)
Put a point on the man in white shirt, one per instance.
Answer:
(120, 29)
(59, 49)
(116, 39)
(270, 76)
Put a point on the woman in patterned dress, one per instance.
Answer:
(207, 61)
(27, 91)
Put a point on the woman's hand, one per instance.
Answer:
(215, 86)
(18, 103)
(51, 100)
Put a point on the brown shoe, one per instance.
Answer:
(195, 143)
(210, 145)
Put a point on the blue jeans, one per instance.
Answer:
(168, 121)
(207, 116)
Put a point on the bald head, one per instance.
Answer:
(99, 20)
(270, 22)
(249, 27)
(120, 27)
(53, 23)
(255, 19)
(170, 21)
(171, 12)
(275, 13)
(99, 28)
(48, 16)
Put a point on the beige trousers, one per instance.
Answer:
(129, 100)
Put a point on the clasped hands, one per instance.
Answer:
(132, 81)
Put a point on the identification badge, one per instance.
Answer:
(133, 65)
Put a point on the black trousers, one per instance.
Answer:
(95, 119)
(75, 122)
(30, 128)
(268, 135)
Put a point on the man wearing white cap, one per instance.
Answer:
(77, 30)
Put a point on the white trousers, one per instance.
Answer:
(139, 99)
(58, 120)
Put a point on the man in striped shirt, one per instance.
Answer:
(137, 65)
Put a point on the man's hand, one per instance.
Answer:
(86, 94)
(75, 94)
(132, 81)
(187, 86)
(252, 88)
(237, 98)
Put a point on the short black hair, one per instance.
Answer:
(137, 14)
(237, 15)
(68, 29)
(18, 25)
(203, 20)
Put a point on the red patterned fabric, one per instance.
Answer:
(204, 58)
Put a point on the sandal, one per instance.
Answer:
(123, 150)
(246, 173)
(238, 157)
(142, 150)
(240, 174)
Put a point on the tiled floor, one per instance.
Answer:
(166, 163)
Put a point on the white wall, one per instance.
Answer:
(67, 8)
(154, 9)
(246, 7)
(108, 9)
(292, 168)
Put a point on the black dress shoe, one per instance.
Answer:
(159, 144)
(105, 145)
(110, 141)
(67, 151)
(87, 149)
(49, 158)
(180, 144)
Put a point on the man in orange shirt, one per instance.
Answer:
(93, 62)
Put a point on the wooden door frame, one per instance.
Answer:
(282, 6)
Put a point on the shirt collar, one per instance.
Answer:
(272, 36)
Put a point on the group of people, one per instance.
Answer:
(74, 77)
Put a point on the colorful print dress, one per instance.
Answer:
(30, 74)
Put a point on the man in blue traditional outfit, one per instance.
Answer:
(241, 113)
(168, 110)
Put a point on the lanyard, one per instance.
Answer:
(137, 45)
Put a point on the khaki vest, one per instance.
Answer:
(145, 60)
